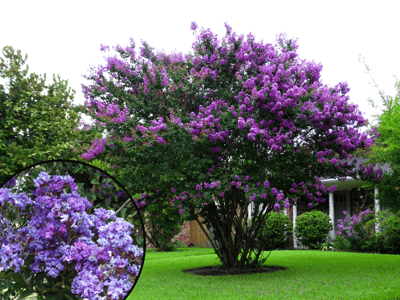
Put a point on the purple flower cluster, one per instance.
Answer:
(348, 231)
(61, 233)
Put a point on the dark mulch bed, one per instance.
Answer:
(219, 271)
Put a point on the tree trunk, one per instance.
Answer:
(233, 240)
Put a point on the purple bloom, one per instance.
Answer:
(193, 26)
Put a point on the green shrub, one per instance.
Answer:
(180, 244)
(273, 233)
(341, 243)
(364, 231)
(374, 244)
(388, 239)
(312, 228)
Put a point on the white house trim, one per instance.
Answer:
(377, 206)
(332, 214)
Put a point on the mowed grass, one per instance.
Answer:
(311, 274)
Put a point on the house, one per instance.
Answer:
(347, 197)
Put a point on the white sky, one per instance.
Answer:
(65, 38)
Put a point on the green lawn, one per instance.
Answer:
(311, 274)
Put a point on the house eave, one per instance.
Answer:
(349, 183)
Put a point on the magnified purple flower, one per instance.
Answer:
(53, 220)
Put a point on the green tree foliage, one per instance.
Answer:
(387, 240)
(387, 147)
(37, 121)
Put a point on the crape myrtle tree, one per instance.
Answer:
(236, 122)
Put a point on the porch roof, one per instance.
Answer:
(351, 182)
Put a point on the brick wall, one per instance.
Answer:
(183, 235)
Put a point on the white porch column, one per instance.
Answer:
(294, 224)
(377, 209)
(348, 203)
(250, 209)
(285, 212)
(332, 214)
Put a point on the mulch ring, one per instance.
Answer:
(219, 271)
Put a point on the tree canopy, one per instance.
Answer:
(36, 125)
(235, 122)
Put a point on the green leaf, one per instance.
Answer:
(40, 277)
(26, 293)
(115, 185)
(114, 197)
(67, 287)
(68, 295)
(52, 297)
(58, 284)
(50, 290)
(107, 204)
(94, 181)
(18, 286)
(78, 168)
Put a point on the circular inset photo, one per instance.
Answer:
(68, 230)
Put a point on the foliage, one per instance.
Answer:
(162, 231)
(362, 232)
(387, 240)
(236, 122)
(386, 149)
(355, 230)
(341, 243)
(328, 245)
(180, 244)
(312, 228)
(273, 234)
(37, 121)
(162, 226)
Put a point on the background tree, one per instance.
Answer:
(386, 148)
(37, 121)
(235, 122)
